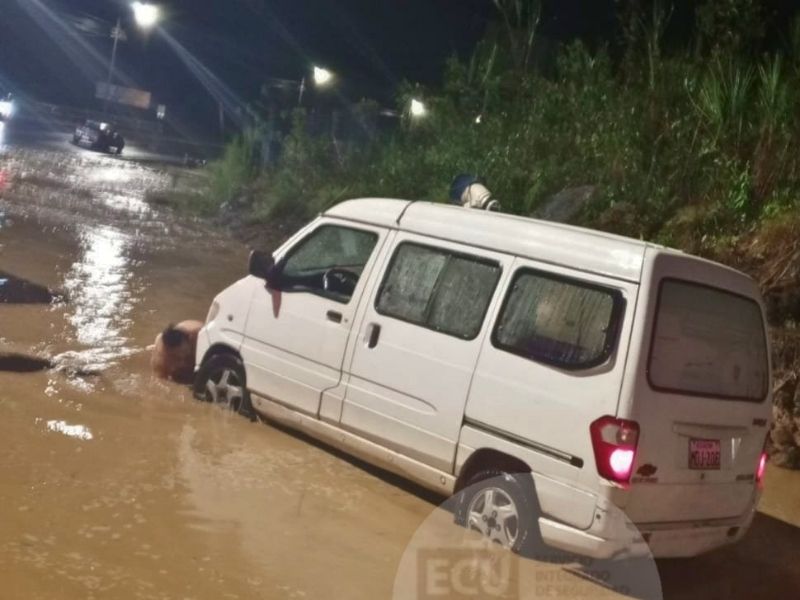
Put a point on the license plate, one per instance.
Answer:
(704, 454)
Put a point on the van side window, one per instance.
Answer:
(438, 289)
(328, 262)
(558, 321)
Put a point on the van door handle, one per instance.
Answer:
(374, 335)
(334, 316)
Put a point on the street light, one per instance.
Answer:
(146, 16)
(418, 108)
(322, 78)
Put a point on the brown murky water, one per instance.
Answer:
(120, 486)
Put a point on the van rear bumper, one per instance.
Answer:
(584, 543)
(659, 540)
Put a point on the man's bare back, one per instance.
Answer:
(174, 351)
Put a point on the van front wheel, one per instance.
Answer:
(221, 380)
(501, 507)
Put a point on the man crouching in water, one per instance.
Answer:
(174, 351)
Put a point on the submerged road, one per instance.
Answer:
(122, 486)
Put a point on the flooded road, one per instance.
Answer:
(121, 486)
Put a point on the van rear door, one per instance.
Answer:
(701, 394)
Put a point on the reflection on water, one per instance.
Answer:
(123, 202)
(80, 432)
(98, 286)
(114, 184)
(106, 517)
(105, 173)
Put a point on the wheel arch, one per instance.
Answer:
(217, 349)
(485, 459)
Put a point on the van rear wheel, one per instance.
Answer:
(500, 507)
(221, 380)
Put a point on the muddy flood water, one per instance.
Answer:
(117, 485)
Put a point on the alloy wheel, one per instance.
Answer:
(493, 513)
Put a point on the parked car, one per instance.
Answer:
(98, 136)
(562, 372)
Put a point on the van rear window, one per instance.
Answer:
(708, 342)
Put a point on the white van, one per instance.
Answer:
(583, 371)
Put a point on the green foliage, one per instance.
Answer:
(773, 95)
(684, 147)
(643, 31)
(312, 175)
(520, 20)
(731, 26)
(723, 99)
(230, 174)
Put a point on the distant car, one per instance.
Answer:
(6, 108)
(98, 136)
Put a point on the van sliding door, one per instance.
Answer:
(417, 345)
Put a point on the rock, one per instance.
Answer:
(785, 435)
(622, 218)
(20, 363)
(794, 407)
(566, 204)
(783, 429)
(14, 290)
(788, 458)
(12, 362)
(796, 432)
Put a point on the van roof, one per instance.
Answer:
(545, 241)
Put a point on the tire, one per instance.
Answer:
(222, 380)
(512, 495)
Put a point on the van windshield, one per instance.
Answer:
(708, 342)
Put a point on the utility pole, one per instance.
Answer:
(117, 34)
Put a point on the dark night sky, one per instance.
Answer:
(371, 44)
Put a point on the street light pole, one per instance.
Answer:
(116, 34)
(146, 16)
(322, 78)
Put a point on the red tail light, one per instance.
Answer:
(614, 442)
(762, 464)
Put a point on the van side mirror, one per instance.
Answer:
(263, 266)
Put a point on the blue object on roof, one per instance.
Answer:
(460, 184)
